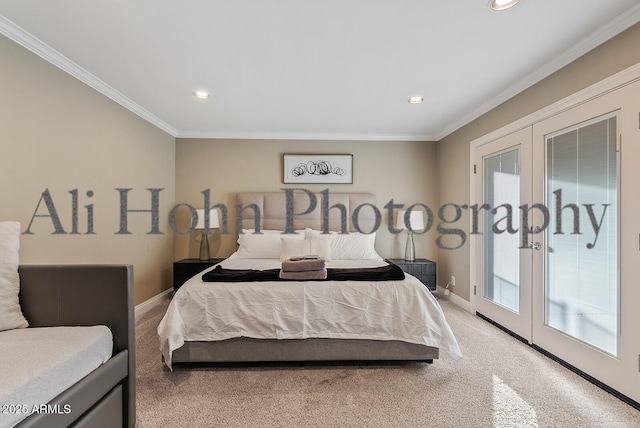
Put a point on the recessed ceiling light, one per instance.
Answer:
(203, 95)
(502, 4)
(415, 100)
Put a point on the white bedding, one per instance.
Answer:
(37, 364)
(383, 310)
(378, 310)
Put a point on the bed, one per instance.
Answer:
(210, 320)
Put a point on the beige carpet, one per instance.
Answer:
(499, 382)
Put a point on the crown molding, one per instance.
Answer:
(616, 26)
(611, 83)
(46, 52)
(327, 136)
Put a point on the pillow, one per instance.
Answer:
(10, 313)
(349, 246)
(265, 231)
(302, 232)
(321, 248)
(304, 247)
(265, 246)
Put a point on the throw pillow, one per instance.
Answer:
(10, 313)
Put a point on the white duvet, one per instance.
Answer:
(383, 310)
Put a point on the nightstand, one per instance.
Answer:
(423, 269)
(186, 268)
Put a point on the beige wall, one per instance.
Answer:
(453, 151)
(404, 171)
(57, 133)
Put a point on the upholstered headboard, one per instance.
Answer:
(273, 210)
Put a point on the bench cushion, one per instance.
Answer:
(37, 364)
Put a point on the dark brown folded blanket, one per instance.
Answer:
(303, 265)
(391, 272)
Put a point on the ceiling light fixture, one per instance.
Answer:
(415, 100)
(502, 4)
(203, 95)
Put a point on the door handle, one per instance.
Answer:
(535, 245)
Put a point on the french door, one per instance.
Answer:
(561, 284)
(577, 293)
(503, 184)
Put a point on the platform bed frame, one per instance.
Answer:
(272, 206)
(84, 295)
(247, 350)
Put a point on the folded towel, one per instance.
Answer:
(306, 275)
(303, 265)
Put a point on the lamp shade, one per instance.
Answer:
(214, 223)
(416, 220)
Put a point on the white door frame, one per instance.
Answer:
(620, 372)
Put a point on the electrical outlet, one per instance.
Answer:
(453, 280)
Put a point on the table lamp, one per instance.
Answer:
(416, 222)
(214, 223)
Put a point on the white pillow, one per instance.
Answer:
(10, 313)
(302, 232)
(349, 246)
(265, 231)
(321, 248)
(304, 247)
(263, 246)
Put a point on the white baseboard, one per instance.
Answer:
(147, 305)
(454, 298)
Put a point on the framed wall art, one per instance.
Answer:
(307, 169)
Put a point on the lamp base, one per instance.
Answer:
(204, 246)
(410, 249)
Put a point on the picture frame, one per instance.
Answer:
(318, 168)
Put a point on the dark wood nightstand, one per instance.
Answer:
(423, 269)
(186, 268)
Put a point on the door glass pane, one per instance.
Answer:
(581, 287)
(501, 184)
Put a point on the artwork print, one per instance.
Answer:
(333, 169)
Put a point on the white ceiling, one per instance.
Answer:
(312, 69)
